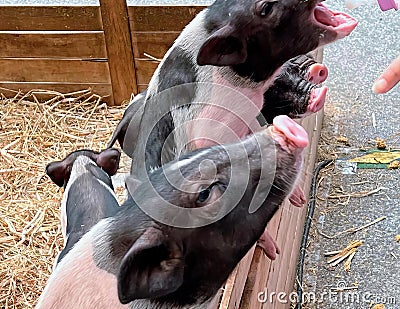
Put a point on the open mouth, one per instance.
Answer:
(317, 98)
(341, 23)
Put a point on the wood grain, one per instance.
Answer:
(162, 18)
(155, 44)
(53, 45)
(55, 71)
(119, 49)
(50, 18)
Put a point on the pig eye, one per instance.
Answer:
(205, 194)
(265, 8)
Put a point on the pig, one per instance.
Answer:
(88, 195)
(238, 44)
(295, 92)
(132, 261)
(209, 87)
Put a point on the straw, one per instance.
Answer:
(34, 132)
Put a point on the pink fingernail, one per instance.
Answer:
(380, 85)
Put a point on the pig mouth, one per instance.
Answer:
(317, 97)
(340, 23)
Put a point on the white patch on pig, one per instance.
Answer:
(78, 283)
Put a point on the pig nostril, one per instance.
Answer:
(321, 73)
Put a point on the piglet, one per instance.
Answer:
(211, 206)
(88, 196)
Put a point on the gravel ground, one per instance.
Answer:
(354, 63)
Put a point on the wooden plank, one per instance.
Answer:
(9, 89)
(142, 87)
(155, 44)
(261, 270)
(256, 281)
(48, 18)
(119, 48)
(290, 280)
(56, 71)
(53, 45)
(174, 18)
(144, 70)
(235, 286)
(12, 88)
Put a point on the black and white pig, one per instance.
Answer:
(88, 195)
(133, 261)
(209, 87)
(295, 92)
(238, 45)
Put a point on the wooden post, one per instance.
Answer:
(121, 62)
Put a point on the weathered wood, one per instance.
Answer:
(99, 88)
(155, 44)
(55, 71)
(235, 285)
(53, 45)
(144, 70)
(174, 18)
(49, 18)
(119, 48)
(260, 270)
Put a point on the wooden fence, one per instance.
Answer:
(69, 48)
(103, 47)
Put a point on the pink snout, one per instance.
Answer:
(317, 73)
(295, 135)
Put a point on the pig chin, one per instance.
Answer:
(334, 25)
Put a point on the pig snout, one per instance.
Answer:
(317, 74)
(288, 134)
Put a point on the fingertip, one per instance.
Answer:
(380, 86)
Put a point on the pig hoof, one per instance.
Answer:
(269, 245)
(297, 198)
(288, 133)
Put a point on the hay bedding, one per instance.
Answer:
(34, 132)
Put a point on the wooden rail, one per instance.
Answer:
(69, 48)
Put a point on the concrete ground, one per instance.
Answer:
(354, 64)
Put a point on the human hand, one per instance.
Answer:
(389, 78)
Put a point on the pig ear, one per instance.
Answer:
(153, 267)
(108, 160)
(223, 49)
(57, 172)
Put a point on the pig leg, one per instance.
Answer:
(269, 245)
(291, 137)
(297, 197)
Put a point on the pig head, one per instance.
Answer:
(88, 191)
(211, 206)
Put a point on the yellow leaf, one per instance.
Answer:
(377, 157)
